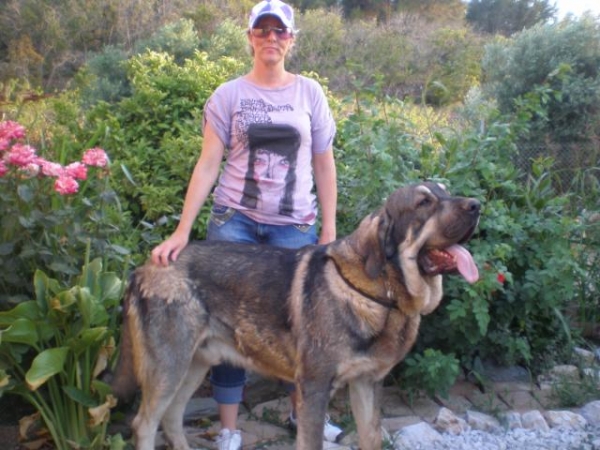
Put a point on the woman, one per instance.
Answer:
(264, 194)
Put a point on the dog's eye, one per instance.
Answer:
(424, 202)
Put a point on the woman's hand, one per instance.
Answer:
(169, 249)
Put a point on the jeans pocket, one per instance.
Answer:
(304, 228)
(220, 214)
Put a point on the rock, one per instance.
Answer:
(200, 407)
(534, 420)
(566, 419)
(414, 436)
(591, 412)
(565, 371)
(447, 422)
(512, 420)
(483, 422)
(584, 356)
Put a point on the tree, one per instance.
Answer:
(559, 64)
(438, 10)
(507, 17)
(368, 9)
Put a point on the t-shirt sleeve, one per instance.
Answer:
(217, 113)
(322, 122)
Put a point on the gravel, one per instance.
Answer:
(519, 439)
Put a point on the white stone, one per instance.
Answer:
(413, 436)
(483, 422)
(565, 371)
(533, 420)
(448, 422)
(566, 419)
(591, 412)
(585, 356)
(512, 420)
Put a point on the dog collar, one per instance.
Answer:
(379, 301)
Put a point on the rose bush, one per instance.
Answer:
(49, 211)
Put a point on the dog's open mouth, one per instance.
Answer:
(451, 259)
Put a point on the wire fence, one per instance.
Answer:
(575, 167)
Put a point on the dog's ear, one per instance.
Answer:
(379, 248)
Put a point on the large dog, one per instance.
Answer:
(322, 317)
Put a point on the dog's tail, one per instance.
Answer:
(124, 383)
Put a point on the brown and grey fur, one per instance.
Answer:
(321, 317)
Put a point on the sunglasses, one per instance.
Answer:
(281, 33)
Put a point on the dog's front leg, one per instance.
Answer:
(311, 408)
(364, 400)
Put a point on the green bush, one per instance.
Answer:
(155, 133)
(563, 58)
(53, 202)
(103, 78)
(179, 39)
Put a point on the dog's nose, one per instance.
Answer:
(473, 205)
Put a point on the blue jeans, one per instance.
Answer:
(228, 224)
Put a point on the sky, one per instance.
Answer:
(577, 7)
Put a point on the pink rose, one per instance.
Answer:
(21, 155)
(4, 144)
(66, 185)
(11, 130)
(76, 170)
(29, 170)
(3, 168)
(95, 157)
(50, 169)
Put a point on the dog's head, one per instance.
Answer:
(425, 222)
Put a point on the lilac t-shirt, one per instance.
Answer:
(270, 136)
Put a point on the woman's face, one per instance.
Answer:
(272, 48)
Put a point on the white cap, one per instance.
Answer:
(276, 8)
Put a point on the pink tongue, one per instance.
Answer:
(464, 262)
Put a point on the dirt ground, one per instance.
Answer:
(8, 437)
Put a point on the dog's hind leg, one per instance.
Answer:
(172, 422)
(364, 400)
(160, 386)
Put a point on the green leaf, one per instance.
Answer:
(110, 286)
(79, 396)
(103, 389)
(87, 338)
(25, 192)
(120, 250)
(45, 287)
(45, 365)
(128, 174)
(64, 300)
(28, 310)
(22, 331)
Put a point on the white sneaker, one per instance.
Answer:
(229, 440)
(331, 432)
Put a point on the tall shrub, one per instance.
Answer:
(156, 132)
(561, 58)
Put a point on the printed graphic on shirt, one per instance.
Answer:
(271, 174)
(254, 111)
